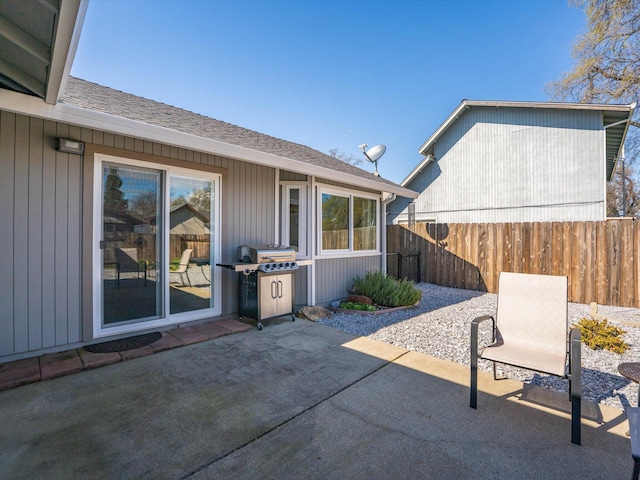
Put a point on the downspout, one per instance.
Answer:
(383, 239)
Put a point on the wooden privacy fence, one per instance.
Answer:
(145, 244)
(601, 259)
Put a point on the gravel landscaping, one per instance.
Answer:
(440, 326)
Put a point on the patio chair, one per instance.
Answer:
(633, 414)
(530, 331)
(183, 266)
(127, 262)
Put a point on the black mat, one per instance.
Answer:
(124, 344)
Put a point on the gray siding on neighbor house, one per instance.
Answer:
(513, 165)
(41, 287)
(335, 275)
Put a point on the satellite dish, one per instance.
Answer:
(373, 154)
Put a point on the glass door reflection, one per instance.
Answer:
(190, 254)
(131, 206)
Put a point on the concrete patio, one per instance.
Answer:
(298, 400)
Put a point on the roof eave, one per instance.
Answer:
(32, 106)
(632, 108)
(67, 35)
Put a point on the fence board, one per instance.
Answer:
(601, 259)
(577, 251)
(589, 275)
(613, 262)
(507, 248)
(602, 284)
(626, 263)
(556, 248)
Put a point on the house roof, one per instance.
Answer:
(38, 40)
(201, 215)
(157, 121)
(615, 121)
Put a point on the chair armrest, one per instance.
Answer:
(478, 320)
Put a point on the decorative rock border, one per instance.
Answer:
(374, 312)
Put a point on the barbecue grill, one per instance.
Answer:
(265, 281)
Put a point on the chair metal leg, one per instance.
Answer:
(473, 395)
(473, 401)
(575, 387)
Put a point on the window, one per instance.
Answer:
(294, 217)
(349, 223)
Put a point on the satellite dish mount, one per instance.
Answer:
(373, 154)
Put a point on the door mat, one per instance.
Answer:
(124, 344)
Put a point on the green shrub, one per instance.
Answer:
(364, 307)
(599, 335)
(386, 291)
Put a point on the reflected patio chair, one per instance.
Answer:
(127, 262)
(530, 330)
(184, 265)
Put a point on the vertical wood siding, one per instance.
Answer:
(40, 293)
(514, 165)
(41, 217)
(334, 277)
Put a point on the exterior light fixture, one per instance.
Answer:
(66, 145)
(373, 154)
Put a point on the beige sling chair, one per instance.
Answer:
(530, 330)
(183, 266)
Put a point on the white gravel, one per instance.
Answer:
(440, 326)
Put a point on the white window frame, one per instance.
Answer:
(286, 187)
(350, 194)
(99, 330)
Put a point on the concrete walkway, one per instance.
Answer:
(298, 400)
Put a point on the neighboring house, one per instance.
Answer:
(493, 162)
(185, 219)
(65, 215)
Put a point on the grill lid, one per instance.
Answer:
(266, 253)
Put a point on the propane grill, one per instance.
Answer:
(265, 287)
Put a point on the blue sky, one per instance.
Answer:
(329, 73)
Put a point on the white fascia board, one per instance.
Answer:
(27, 105)
(63, 50)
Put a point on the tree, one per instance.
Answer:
(349, 158)
(607, 69)
(616, 199)
(114, 199)
(607, 56)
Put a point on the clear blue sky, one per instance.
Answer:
(329, 73)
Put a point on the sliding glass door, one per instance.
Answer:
(157, 239)
(131, 208)
(190, 244)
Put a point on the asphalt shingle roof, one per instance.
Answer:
(92, 96)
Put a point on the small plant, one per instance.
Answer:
(387, 291)
(364, 307)
(599, 335)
